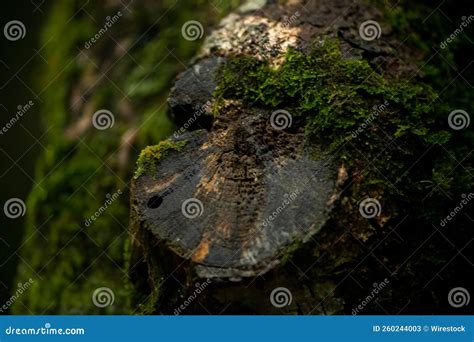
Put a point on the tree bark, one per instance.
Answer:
(245, 248)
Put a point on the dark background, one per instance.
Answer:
(21, 145)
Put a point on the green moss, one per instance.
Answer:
(336, 95)
(378, 126)
(150, 155)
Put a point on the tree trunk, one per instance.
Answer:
(239, 215)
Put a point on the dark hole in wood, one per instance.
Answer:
(154, 202)
(181, 115)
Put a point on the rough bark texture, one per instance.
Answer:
(240, 169)
(236, 177)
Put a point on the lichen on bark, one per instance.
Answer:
(150, 155)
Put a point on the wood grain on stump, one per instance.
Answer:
(235, 198)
